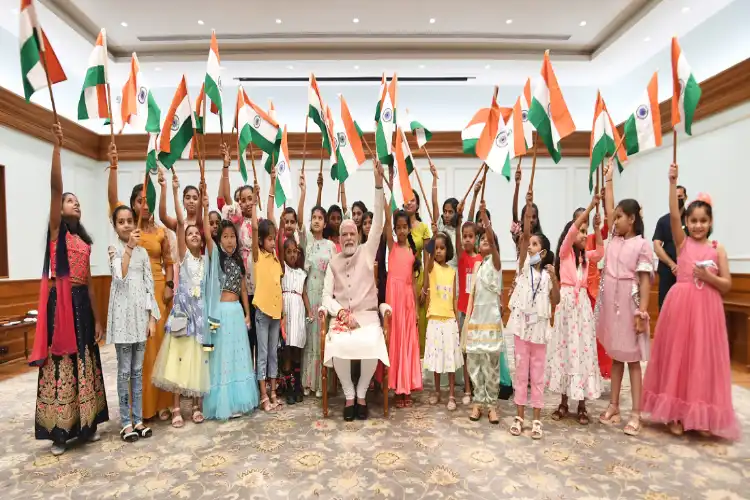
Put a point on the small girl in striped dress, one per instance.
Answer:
(295, 314)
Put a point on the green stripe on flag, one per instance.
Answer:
(151, 165)
(177, 144)
(153, 122)
(29, 59)
(150, 195)
(603, 148)
(313, 113)
(245, 136)
(342, 171)
(94, 77)
(381, 146)
(470, 146)
(280, 196)
(692, 95)
(506, 168)
(213, 92)
(263, 143)
(539, 118)
(630, 131)
(377, 111)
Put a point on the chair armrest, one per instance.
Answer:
(385, 309)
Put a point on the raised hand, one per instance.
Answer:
(320, 180)
(673, 173)
(433, 170)
(477, 187)
(302, 183)
(595, 200)
(58, 134)
(225, 154)
(205, 200)
(135, 238)
(518, 174)
(529, 197)
(175, 181)
(597, 222)
(608, 169)
(112, 155)
(460, 208)
(377, 169)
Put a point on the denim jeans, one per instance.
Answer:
(130, 381)
(267, 329)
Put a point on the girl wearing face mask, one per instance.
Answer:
(182, 365)
(131, 318)
(572, 369)
(534, 296)
(688, 382)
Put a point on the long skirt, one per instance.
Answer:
(182, 367)
(234, 388)
(70, 397)
(155, 399)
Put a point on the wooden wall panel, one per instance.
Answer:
(720, 92)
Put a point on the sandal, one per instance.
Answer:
(400, 402)
(517, 428)
(476, 414)
(266, 405)
(434, 398)
(408, 403)
(536, 430)
(164, 414)
(583, 416)
(561, 412)
(451, 404)
(611, 416)
(275, 402)
(492, 416)
(144, 432)
(130, 436)
(198, 417)
(177, 421)
(676, 428)
(466, 399)
(634, 426)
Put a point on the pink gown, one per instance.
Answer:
(405, 373)
(689, 377)
(615, 310)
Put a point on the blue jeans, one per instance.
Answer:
(267, 330)
(130, 381)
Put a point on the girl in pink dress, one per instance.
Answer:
(688, 381)
(621, 312)
(405, 374)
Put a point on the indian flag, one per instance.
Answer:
(548, 112)
(151, 152)
(685, 89)
(212, 82)
(643, 128)
(380, 99)
(421, 132)
(528, 128)
(265, 158)
(34, 43)
(602, 138)
(493, 143)
(244, 127)
(349, 153)
(471, 133)
(330, 131)
(386, 124)
(265, 131)
(316, 111)
(509, 141)
(406, 150)
(138, 106)
(284, 183)
(178, 130)
(403, 192)
(93, 100)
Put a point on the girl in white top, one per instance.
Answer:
(536, 291)
(295, 314)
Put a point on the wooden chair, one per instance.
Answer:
(385, 315)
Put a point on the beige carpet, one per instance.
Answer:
(425, 452)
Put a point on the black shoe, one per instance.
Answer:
(362, 412)
(298, 396)
(349, 413)
(290, 400)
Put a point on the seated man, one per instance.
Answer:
(350, 296)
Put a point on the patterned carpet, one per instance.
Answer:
(424, 452)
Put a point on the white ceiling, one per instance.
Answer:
(713, 35)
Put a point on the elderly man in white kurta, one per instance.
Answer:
(350, 296)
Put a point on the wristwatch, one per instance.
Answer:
(170, 284)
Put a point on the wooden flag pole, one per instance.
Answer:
(424, 195)
(202, 153)
(619, 144)
(109, 110)
(481, 168)
(484, 179)
(304, 144)
(255, 173)
(674, 145)
(321, 160)
(43, 57)
(598, 188)
(533, 164)
(428, 158)
(221, 126)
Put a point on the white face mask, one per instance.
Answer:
(535, 259)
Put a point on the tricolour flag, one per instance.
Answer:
(284, 182)
(685, 89)
(244, 127)
(265, 131)
(151, 168)
(509, 141)
(386, 124)
(471, 133)
(34, 43)
(528, 128)
(492, 145)
(548, 112)
(643, 128)
(380, 98)
(402, 190)
(602, 138)
(178, 130)
(138, 106)
(316, 111)
(93, 100)
(421, 132)
(265, 158)
(332, 139)
(349, 153)
(212, 82)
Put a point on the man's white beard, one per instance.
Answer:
(349, 250)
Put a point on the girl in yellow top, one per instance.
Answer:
(442, 352)
(267, 300)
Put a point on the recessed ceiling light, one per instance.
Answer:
(124, 24)
(487, 66)
(685, 10)
(200, 21)
(432, 20)
(356, 67)
(582, 23)
(647, 39)
(421, 66)
(290, 67)
(509, 21)
(355, 20)
(278, 21)
(157, 68)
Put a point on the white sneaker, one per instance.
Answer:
(318, 394)
(57, 449)
(306, 391)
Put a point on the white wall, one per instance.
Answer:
(27, 169)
